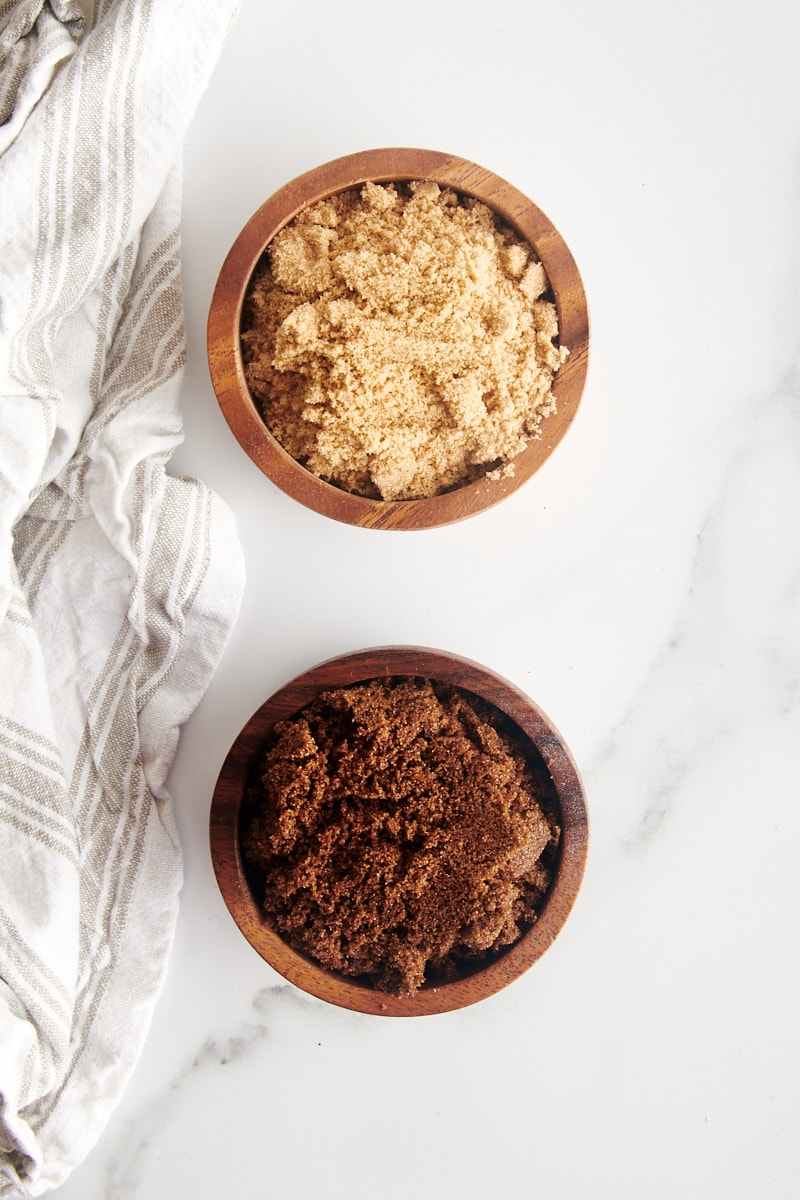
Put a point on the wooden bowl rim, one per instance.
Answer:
(227, 369)
(356, 667)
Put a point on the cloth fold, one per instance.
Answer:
(119, 584)
(35, 38)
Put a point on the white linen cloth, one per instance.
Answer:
(119, 585)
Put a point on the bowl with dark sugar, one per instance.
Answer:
(399, 831)
(398, 339)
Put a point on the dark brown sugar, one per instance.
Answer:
(396, 831)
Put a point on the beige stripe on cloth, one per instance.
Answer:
(119, 584)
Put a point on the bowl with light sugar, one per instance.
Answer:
(399, 831)
(399, 339)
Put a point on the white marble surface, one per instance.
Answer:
(643, 587)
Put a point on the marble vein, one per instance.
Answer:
(731, 662)
(137, 1142)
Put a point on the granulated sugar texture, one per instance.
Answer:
(400, 832)
(398, 340)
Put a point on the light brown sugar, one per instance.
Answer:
(399, 340)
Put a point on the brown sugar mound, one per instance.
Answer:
(398, 341)
(397, 832)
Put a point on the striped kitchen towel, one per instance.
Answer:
(118, 583)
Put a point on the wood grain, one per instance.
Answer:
(383, 662)
(383, 166)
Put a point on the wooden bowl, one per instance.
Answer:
(225, 356)
(385, 662)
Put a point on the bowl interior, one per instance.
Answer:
(384, 166)
(385, 662)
